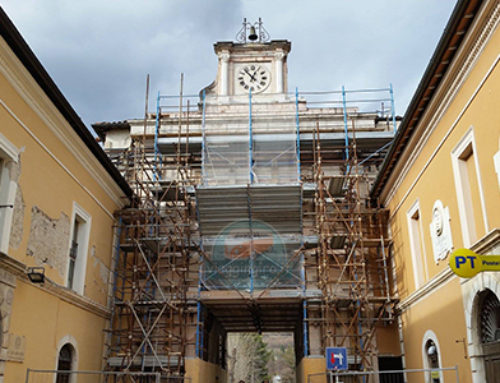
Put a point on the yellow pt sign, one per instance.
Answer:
(465, 263)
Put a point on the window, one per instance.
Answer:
(77, 260)
(489, 317)
(431, 357)
(8, 187)
(73, 252)
(496, 162)
(469, 189)
(65, 363)
(467, 176)
(416, 244)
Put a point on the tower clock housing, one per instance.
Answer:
(259, 68)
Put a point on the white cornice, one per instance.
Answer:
(487, 243)
(19, 270)
(427, 289)
(22, 81)
(73, 298)
(463, 63)
(12, 265)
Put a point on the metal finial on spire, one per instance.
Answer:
(252, 32)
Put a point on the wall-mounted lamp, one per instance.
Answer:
(36, 274)
(431, 350)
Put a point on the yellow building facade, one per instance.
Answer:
(441, 182)
(58, 193)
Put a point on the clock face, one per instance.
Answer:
(253, 77)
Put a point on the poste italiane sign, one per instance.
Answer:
(465, 263)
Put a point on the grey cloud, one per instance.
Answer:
(100, 52)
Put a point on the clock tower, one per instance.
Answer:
(256, 66)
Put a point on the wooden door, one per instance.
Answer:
(492, 361)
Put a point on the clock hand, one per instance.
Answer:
(248, 73)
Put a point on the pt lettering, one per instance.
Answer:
(472, 258)
(459, 261)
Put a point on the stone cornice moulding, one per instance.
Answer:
(231, 46)
(19, 270)
(464, 63)
(487, 243)
(195, 120)
(12, 265)
(21, 80)
(428, 288)
(73, 298)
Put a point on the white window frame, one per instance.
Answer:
(474, 287)
(431, 335)
(80, 269)
(463, 145)
(496, 164)
(420, 273)
(68, 339)
(8, 153)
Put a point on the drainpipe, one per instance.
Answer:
(400, 321)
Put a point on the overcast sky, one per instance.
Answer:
(99, 51)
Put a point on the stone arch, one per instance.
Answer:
(472, 291)
(65, 342)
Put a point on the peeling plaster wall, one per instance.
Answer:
(16, 231)
(48, 240)
(101, 275)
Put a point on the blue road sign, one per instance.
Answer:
(336, 358)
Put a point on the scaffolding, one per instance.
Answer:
(249, 201)
(353, 245)
(262, 202)
(155, 256)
